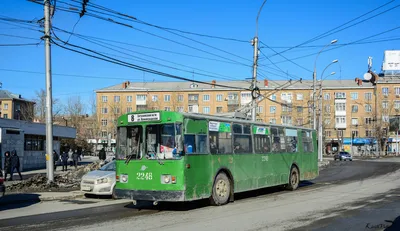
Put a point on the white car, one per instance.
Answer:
(100, 182)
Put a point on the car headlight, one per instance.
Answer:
(102, 180)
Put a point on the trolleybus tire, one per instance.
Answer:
(294, 179)
(221, 189)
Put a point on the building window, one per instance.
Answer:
(129, 98)
(385, 119)
(272, 109)
(299, 96)
(299, 109)
(327, 108)
(272, 121)
(287, 108)
(273, 97)
(193, 109)
(327, 96)
(179, 109)
(368, 108)
(128, 109)
(327, 121)
(167, 98)
(286, 120)
(5, 106)
(368, 121)
(34, 143)
(300, 122)
(104, 99)
(219, 109)
(219, 97)
(141, 97)
(206, 110)
(368, 133)
(260, 109)
(328, 133)
(259, 120)
(104, 122)
(117, 110)
(385, 104)
(245, 95)
(397, 90)
(104, 134)
(5, 116)
(286, 97)
(155, 108)
(340, 95)
(167, 108)
(354, 95)
(340, 120)
(104, 110)
(117, 99)
(396, 104)
(385, 91)
(206, 98)
(340, 107)
(154, 98)
(141, 107)
(354, 121)
(368, 96)
(354, 108)
(180, 98)
(354, 134)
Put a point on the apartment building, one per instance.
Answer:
(347, 109)
(13, 106)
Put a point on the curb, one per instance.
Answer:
(35, 197)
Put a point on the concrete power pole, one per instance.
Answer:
(255, 57)
(49, 106)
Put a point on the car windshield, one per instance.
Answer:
(344, 153)
(108, 167)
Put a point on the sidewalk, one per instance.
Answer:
(28, 174)
(38, 197)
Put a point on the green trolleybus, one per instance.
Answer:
(171, 156)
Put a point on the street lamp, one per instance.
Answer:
(315, 80)
(320, 112)
(255, 59)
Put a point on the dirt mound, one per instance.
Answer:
(63, 182)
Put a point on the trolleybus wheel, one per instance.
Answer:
(294, 179)
(221, 189)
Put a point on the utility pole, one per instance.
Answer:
(255, 59)
(314, 99)
(49, 106)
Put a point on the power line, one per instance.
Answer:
(332, 31)
(158, 36)
(343, 45)
(19, 44)
(136, 67)
(16, 36)
(161, 27)
(145, 47)
(215, 75)
(285, 58)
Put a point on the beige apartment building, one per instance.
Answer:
(13, 106)
(346, 107)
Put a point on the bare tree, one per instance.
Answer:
(40, 106)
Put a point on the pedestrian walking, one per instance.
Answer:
(70, 160)
(55, 159)
(75, 157)
(15, 164)
(64, 161)
(7, 164)
(102, 154)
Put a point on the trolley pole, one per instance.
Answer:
(255, 57)
(49, 106)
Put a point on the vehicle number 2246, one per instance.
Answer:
(144, 176)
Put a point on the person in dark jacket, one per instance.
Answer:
(75, 157)
(55, 159)
(7, 164)
(15, 164)
(102, 154)
(64, 161)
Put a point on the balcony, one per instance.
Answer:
(193, 99)
(340, 126)
(141, 102)
(233, 102)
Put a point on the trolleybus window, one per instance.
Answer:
(129, 142)
(278, 140)
(307, 141)
(164, 141)
(262, 140)
(241, 141)
(291, 140)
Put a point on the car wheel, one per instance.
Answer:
(113, 196)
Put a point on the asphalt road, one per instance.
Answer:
(340, 175)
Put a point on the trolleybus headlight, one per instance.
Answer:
(167, 179)
(124, 178)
